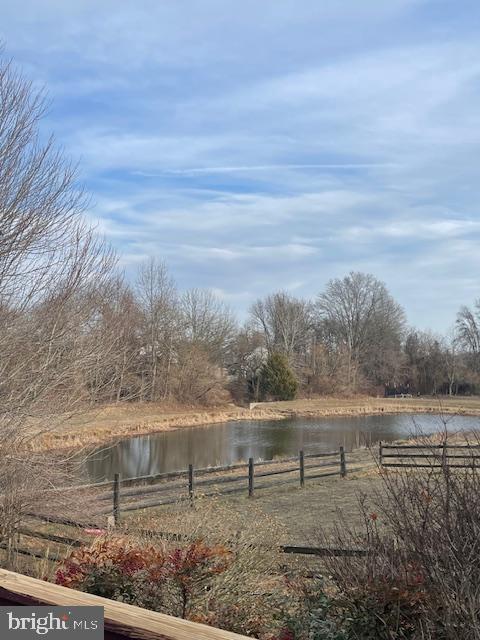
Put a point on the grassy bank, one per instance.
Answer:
(125, 420)
(330, 406)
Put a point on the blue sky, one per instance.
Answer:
(259, 145)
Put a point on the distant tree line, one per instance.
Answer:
(353, 338)
(161, 344)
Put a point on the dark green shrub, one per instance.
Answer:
(277, 379)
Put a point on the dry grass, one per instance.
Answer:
(125, 420)
(365, 405)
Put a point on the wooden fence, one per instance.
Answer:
(70, 542)
(430, 456)
(131, 494)
(112, 498)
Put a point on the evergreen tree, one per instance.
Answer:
(277, 379)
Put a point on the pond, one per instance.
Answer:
(230, 442)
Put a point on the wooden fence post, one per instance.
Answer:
(380, 453)
(343, 464)
(116, 499)
(444, 455)
(302, 469)
(190, 482)
(250, 477)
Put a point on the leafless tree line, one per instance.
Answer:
(353, 338)
(168, 345)
(151, 342)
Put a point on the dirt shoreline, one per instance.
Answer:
(114, 422)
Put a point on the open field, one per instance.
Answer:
(298, 512)
(354, 406)
(123, 420)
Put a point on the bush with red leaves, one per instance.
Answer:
(147, 576)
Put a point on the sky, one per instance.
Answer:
(275, 144)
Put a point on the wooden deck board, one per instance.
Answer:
(121, 620)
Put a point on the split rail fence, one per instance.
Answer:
(429, 456)
(112, 498)
(79, 538)
(130, 494)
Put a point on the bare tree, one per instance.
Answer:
(50, 263)
(468, 332)
(432, 362)
(363, 318)
(208, 323)
(285, 322)
(451, 360)
(158, 301)
(117, 324)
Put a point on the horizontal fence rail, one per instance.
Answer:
(69, 543)
(132, 494)
(429, 456)
(120, 495)
(170, 475)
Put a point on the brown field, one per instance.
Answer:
(123, 420)
(354, 406)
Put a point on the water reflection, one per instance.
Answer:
(263, 440)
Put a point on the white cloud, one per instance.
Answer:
(267, 145)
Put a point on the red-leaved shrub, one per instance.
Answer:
(166, 580)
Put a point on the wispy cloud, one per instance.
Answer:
(267, 167)
(265, 145)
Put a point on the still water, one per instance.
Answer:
(231, 442)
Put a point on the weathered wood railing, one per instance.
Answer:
(172, 475)
(430, 456)
(121, 620)
(131, 494)
(69, 543)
